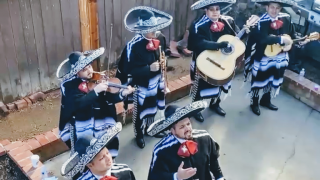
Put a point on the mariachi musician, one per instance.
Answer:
(94, 161)
(186, 153)
(204, 33)
(86, 111)
(267, 72)
(142, 64)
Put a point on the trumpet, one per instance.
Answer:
(163, 64)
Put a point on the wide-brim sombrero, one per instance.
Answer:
(284, 3)
(77, 163)
(66, 70)
(180, 113)
(159, 21)
(204, 3)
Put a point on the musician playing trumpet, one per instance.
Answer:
(204, 34)
(86, 111)
(143, 64)
(267, 72)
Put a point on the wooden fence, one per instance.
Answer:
(35, 36)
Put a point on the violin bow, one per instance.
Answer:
(109, 53)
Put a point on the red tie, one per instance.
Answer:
(153, 45)
(277, 24)
(83, 87)
(187, 149)
(217, 26)
(109, 178)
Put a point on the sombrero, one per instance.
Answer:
(205, 3)
(174, 114)
(76, 62)
(284, 3)
(144, 19)
(86, 149)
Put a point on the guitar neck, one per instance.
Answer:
(241, 33)
(117, 85)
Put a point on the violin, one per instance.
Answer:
(114, 84)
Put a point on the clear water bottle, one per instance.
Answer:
(301, 74)
(44, 173)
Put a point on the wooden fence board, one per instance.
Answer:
(67, 27)
(117, 30)
(32, 57)
(125, 7)
(19, 41)
(75, 21)
(102, 29)
(6, 94)
(40, 45)
(109, 17)
(147, 2)
(9, 50)
(50, 39)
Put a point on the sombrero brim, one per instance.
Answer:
(204, 3)
(130, 20)
(65, 70)
(187, 111)
(284, 3)
(77, 164)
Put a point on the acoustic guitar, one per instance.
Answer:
(218, 67)
(275, 49)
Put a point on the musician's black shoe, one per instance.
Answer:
(199, 117)
(255, 106)
(216, 107)
(266, 102)
(140, 142)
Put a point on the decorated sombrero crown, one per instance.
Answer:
(205, 3)
(283, 3)
(144, 19)
(174, 114)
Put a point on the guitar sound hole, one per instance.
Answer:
(227, 50)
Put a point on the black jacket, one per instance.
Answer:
(265, 35)
(83, 106)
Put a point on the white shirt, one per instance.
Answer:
(107, 174)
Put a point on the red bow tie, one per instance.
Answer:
(188, 148)
(277, 24)
(83, 87)
(217, 26)
(153, 45)
(109, 178)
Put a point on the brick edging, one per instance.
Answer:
(22, 103)
(302, 90)
(48, 144)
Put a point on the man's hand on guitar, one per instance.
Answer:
(286, 40)
(304, 42)
(223, 44)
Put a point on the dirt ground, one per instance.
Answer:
(44, 116)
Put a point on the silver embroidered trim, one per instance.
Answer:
(203, 3)
(159, 126)
(195, 86)
(82, 63)
(91, 152)
(288, 2)
(71, 128)
(135, 111)
(153, 21)
(153, 29)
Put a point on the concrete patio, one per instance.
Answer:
(280, 145)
